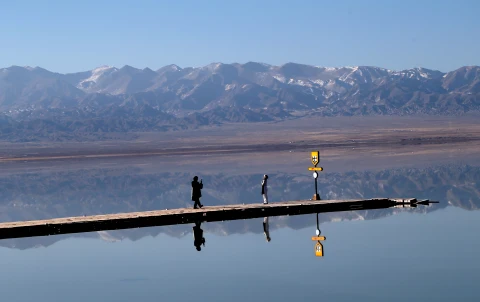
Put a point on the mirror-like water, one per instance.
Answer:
(378, 255)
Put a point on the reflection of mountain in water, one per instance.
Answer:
(47, 195)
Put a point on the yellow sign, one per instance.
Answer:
(319, 249)
(318, 238)
(315, 169)
(315, 158)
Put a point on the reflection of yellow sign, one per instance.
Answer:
(315, 169)
(318, 238)
(315, 158)
(319, 249)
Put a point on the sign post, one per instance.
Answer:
(315, 157)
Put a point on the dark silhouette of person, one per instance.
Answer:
(197, 192)
(266, 229)
(198, 238)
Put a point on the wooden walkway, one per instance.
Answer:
(182, 216)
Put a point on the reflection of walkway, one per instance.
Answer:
(266, 229)
(181, 216)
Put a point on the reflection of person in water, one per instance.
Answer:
(266, 231)
(198, 239)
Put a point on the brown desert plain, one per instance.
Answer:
(345, 143)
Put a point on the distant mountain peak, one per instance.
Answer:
(129, 68)
(257, 66)
(174, 67)
(258, 63)
(418, 73)
(171, 67)
(95, 75)
(253, 85)
(213, 66)
(16, 67)
(103, 67)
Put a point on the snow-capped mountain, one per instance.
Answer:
(127, 99)
(251, 85)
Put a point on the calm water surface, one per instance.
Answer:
(426, 253)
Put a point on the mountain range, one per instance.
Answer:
(109, 99)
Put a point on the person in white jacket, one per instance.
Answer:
(265, 189)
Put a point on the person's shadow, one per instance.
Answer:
(198, 238)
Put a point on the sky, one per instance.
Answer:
(71, 36)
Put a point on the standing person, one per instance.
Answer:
(264, 189)
(197, 192)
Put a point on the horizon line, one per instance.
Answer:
(236, 63)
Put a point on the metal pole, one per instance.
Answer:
(316, 196)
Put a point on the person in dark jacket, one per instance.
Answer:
(197, 192)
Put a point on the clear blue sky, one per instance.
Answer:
(70, 35)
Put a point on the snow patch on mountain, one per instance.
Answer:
(95, 75)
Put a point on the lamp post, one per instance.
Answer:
(315, 158)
